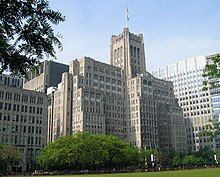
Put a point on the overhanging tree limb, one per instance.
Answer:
(26, 35)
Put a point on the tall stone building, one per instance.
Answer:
(89, 98)
(199, 106)
(154, 117)
(23, 122)
(122, 99)
(127, 52)
(46, 75)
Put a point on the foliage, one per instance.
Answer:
(212, 129)
(218, 155)
(2, 165)
(9, 156)
(86, 151)
(211, 71)
(207, 155)
(26, 34)
(177, 161)
(192, 160)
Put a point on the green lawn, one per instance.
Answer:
(212, 172)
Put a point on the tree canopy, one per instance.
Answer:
(9, 156)
(83, 151)
(86, 151)
(26, 34)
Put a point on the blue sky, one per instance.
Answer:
(173, 29)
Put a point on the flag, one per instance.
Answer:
(127, 13)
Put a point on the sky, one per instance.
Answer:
(173, 29)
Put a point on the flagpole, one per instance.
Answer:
(126, 23)
(126, 16)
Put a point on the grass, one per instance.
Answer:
(211, 172)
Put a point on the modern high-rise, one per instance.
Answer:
(23, 122)
(120, 98)
(47, 74)
(199, 105)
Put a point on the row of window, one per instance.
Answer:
(102, 78)
(104, 70)
(11, 81)
(21, 129)
(21, 119)
(21, 97)
(20, 108)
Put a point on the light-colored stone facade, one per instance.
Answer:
(121, 99)
(11, 80)
(154, 119)
(23, 122)
(96, 99)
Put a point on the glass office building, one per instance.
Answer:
(198, 106)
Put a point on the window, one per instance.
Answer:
(131, 50)
(86, 94)
(101, 78)
(1, 105)
(95, 76)
(107, 79)
(118, 82)
(113, 81)
(101, 70)
(98, 96)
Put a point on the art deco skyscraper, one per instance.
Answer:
(120, 99)
(127, 52)
(153, 117)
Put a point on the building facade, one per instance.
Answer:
(47, 74)
(23, 122)
(149, 124)
(11, 80)
(199, 105)
(92, 96)
(120, 98)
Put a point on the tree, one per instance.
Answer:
(212, 72)
(2, 165)
(192, 160)
(212, 129)
(26, 35)
(176, 161)
(88, 152)
(207, 155)
(212, 76)
(9, 156)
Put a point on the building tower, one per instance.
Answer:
(127, 52)
(153, 117)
